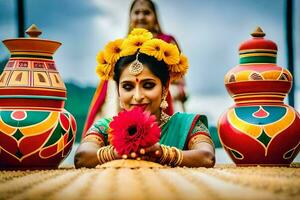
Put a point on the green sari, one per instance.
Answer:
(175, 132)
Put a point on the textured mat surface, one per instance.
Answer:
(221, 182)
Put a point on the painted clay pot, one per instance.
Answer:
(259, 129)
(35, 129)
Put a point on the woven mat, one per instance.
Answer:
(221, 182)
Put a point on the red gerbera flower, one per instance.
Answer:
(132, 130)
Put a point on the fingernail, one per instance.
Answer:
(133, 155)
(142, 151)
(157, 152)
(124, 156)
(138, 158)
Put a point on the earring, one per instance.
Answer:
(164, 104)
(164, 117)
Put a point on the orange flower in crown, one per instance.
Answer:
(103, 69)
(171, 54)
(141, 31)
(112, 51)
(133, 43)
(153, 48)
(179, 70)
(141, 40)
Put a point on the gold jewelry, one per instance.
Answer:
(179, 157)
(164, 104)
(171, 156)
(164, 118)
(105, 154)
(164, 154)
(199, 138)
(136, 67)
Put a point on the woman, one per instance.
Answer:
(142, 68)
(142, 15)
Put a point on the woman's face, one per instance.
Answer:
(142, 90)
(141, 16)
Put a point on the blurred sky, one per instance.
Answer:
(208, 32)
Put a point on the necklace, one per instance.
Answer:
(164, 118)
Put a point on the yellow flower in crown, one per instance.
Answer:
(171, 54)
(103, 69)
(141, 31)
(140, 40)
(178, 70)
(154, 47)
(181, 66)
(131, 44)
(112, 51)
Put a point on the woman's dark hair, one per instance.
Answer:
(158, 68)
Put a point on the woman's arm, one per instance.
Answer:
(86, 155)
(90, 153)
(202, 155)
(200, 151)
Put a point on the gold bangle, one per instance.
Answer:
(179, 157)
(173, 159)
(171, 156)
(99, 155)
(111, 152)
(164, 154)
(105, 154)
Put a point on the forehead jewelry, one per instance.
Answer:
(136, 67)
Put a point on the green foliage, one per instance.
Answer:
(78, 102)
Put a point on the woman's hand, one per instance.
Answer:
(152, 153)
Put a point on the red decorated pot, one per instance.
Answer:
(259, 129)
(35, 129)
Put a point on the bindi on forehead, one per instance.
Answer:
(137, 80)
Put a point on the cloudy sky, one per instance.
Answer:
(208, 32)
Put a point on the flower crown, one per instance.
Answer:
(141, 40)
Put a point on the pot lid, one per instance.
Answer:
(32, 44)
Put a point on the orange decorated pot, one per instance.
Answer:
(35, 129)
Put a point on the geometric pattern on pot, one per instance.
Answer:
(263, 123)
(24, 133)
